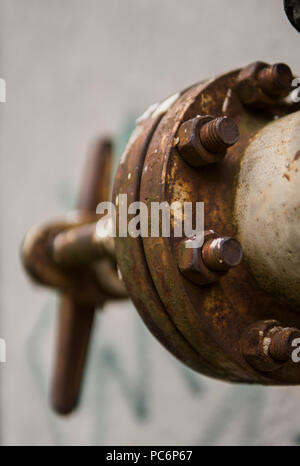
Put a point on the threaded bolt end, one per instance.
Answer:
(281, 343)
(275, 79)
(221, 254)
(219, 134)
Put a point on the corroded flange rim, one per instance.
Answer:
(211, 318)
(130, 253)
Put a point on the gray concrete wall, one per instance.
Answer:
(75, 69)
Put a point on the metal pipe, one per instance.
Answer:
(82, 244)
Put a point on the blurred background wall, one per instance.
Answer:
(76, 69)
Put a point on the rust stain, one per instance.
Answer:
(297, 155)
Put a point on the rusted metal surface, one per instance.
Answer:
(74, 327)
(203, 304)
(206, 264)
(80, 282)
(281, 344)
(211, 318)
(49, 253)
(267, 346)
(69, 257)
(130, 253)
(219, 134)
(96, 179)
(222, 253)
(76, 318)
(81, 245)
(205, 139)
(260, 85)
(168, 178)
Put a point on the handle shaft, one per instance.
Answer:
(76, 319)
(74, 330)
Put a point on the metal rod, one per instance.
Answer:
(74, 330)
(76, 319)
(81, 245)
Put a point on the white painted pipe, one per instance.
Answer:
(267, 208)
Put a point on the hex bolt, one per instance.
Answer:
(275, 80)
(221, 254)
(281, 346)
(219, 134)
(260, 85)
(267, 346)
(205, 139)
(206, 264)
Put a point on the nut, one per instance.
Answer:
(208, 263)
(205, 139)
(259, 84)
(281, 347)
(275, 80)
(266, 345)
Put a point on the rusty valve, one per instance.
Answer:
(69, 256)
(228, 309)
